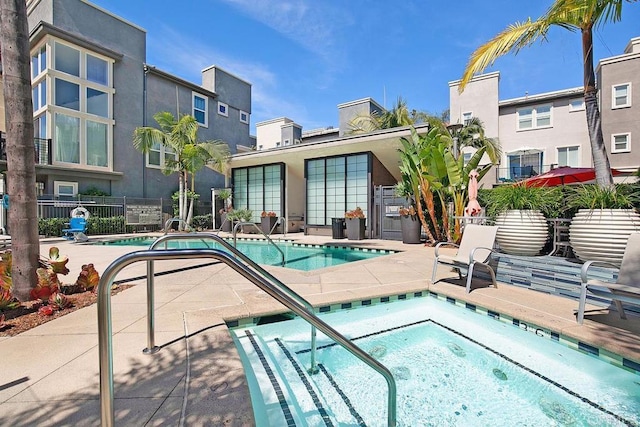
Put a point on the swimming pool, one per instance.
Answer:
(297, 256)
(452, 367)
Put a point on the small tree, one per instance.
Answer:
(190, 155)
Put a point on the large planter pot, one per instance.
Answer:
(267, 223)
(355, 228)
(411, 227)
(602, 234)
(226, 225)
(522, 232)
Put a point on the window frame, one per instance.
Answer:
(534, 117)
(613, 96)
(567, 147)
(573, 109)
(205, 111)
(246, 121)
(613, 142)
(58, 184)
(224, 113)
(464, 119)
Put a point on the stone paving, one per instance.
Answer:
(50, 374)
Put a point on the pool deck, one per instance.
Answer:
(50, 374)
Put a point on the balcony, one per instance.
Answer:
(519, 173)
(43, 150)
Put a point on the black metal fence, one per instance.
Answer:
(109, 215)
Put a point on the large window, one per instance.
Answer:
(524, 164)
(200, 109)
(568, 156)
(621, 96)
(259, 189)
(81, 100)
(336, 185)
(534, 117)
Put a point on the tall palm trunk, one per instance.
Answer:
(601, 163)
(193, 192)
(21, 174)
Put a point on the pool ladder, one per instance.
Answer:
(251, 271)
(266, 236)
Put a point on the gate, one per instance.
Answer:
(386, 210)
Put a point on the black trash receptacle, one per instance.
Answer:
(337, 228)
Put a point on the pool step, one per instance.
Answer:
(291, 396)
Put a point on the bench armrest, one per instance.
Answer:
(443, 244)
(473, 252)
(584, 272)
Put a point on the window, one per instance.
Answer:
(40, 95)
(67, 137)
(39, 61)
(200, 109)
(65, 188)
(97, 70)
(534, 117)
(621, 143)
(335, 185)
(244, 117)
(259, 188)
(576, 105)
(223, 109)
(467, 157)
(80, 113)
(67, 94)
(524, 164)
(67, 59)
(568, 156)
(621, 96)
(286, 141)
(466, 117)
(158, 156)
(97, 147)
(97, 102)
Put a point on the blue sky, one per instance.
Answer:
(304, 57)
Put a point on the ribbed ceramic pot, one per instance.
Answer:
(522, 232)
(602, 234)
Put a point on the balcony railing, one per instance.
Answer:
(519, 173)
(43, 150)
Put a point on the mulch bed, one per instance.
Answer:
(26, 316)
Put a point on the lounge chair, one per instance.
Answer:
(474, 249)
(627, 287)
(76, 230)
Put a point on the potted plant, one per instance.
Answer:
(267, 221)
(520, 215)
(410, 225)
(241, 215)
(606, 217)
(225, 195)
(355, 224)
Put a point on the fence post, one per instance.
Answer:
(124, 213)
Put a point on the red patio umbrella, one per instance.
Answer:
(473, 207)
(562, 176)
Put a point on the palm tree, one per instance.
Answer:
(190, 155)
(21, 170)
(398, 116)
(573, 15)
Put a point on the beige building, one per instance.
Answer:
(538, 132)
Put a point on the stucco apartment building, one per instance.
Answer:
(92, 87)
(538, 132)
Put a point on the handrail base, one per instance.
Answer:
(152, 350)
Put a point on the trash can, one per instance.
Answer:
(337, 228)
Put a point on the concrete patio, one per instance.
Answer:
(50, 374)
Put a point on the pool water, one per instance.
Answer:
(453, 367)
(297, 256)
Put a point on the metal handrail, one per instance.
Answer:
(240, 224)
(105, 337)
(284, 223)
(178, 220)
(151, 347)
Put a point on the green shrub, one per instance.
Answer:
(52, 227)
(202, 222)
